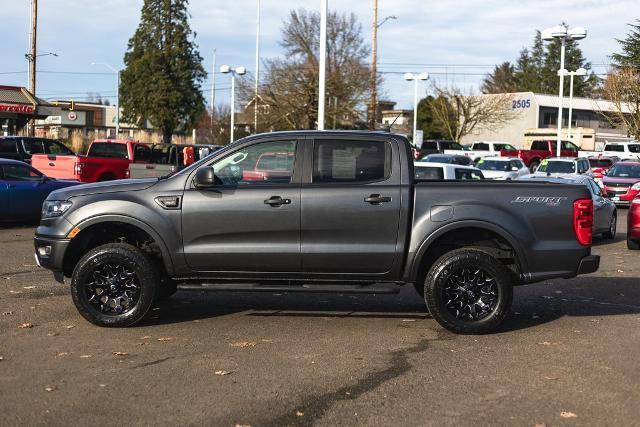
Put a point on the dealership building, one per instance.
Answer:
(17, 107)
(541, 111)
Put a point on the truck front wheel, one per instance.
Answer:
(114, 285)
(468, 291)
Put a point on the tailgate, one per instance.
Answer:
(150, 170)
(53, 166)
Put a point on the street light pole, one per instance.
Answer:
(563, 33)
(578, 72)
(225, 69)
(322, 63)
(374, 65)
(117, 73)
(561, 96)
(255, 99)
(415, 78)
(213, 93)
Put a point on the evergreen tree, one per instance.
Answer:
(163, 75)
(527, 73)
(432, 127)
(630, 55)
(501, 80)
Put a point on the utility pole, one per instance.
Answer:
(32, 64)
(255, 99)
(374, 73)
(213, 92)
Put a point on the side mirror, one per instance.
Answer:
(205, 178)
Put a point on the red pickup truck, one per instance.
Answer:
(106, 159)
(540, 150)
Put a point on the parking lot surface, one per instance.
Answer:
(567, 355)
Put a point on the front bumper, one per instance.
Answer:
(589, 264)
(49, 253)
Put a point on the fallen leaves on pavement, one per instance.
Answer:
(25, 325)
(85, 356)
(300, 414)
(223, 373)
(566, 414)
(243, 344)
(50, 388)
(166, 338)
(120, 353)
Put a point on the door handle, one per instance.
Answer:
(376, 199)
(277, 201)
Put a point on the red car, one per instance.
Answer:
(539, 151)
(622, 182)
(106, 159)
(600, 165)
(633, 224)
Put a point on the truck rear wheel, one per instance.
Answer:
(533, 166)
(114, 285)
(467, 291)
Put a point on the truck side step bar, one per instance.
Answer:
(370, 288)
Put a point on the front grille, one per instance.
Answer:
(618, 184)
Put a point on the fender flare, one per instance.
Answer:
(456, 225)
(166, 255)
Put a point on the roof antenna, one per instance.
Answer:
(388, 128)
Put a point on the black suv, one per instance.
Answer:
(22, 147)
(432, 146)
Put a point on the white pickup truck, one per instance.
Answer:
(623, 150)
(481, 149)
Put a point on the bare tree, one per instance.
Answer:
(461, 113)
(622, 89)
(290, 85)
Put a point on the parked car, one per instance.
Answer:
(23, 147)
(350, 218)
(540, 150)
(428, 170)
(106, 159)
(432, 146)
(555, 166)
(629, 150)
(622, 182)
(600, 165)
(481, 149)
(166, 159)
(605, 214)
(505, 168)
(633, 224)
(448, 158)
(23, 189)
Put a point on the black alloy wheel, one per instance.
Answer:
(470, 294)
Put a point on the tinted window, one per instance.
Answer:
(20, 173)
(600, 163)
(515, 164)
(430, 145)
(614, 147)
(54, 147)
(275, 161)
(108, 149)
(241, 166)
(429, 172)
(160, 154)
(481, 146)
(539, 145)
(141, 153)
(450, 145)
(566, 145)
(8, 146)
(350, 161)
(437, 158)
(634, 148)
(32, 146)
(466, 174)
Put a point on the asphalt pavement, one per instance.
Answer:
(568, 354)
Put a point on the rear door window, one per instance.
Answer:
(350, 161)
(108, 150)
(539, 145)
(614, 147)
(481, 146)
(32, 146)
(8, 148)
(466, 174)
(20, 173)
(56, 148)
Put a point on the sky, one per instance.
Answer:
(455, 41)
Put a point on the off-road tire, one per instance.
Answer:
(115, 253)
(450, 263)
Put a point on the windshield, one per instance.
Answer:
(437, 158)
(493, 165)
(108, 149)
(600, 163)
(624, 171)
(556, 166)
(634, 148)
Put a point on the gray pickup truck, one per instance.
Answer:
(313, 211)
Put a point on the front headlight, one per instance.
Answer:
(636, 186)
(54, 208)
